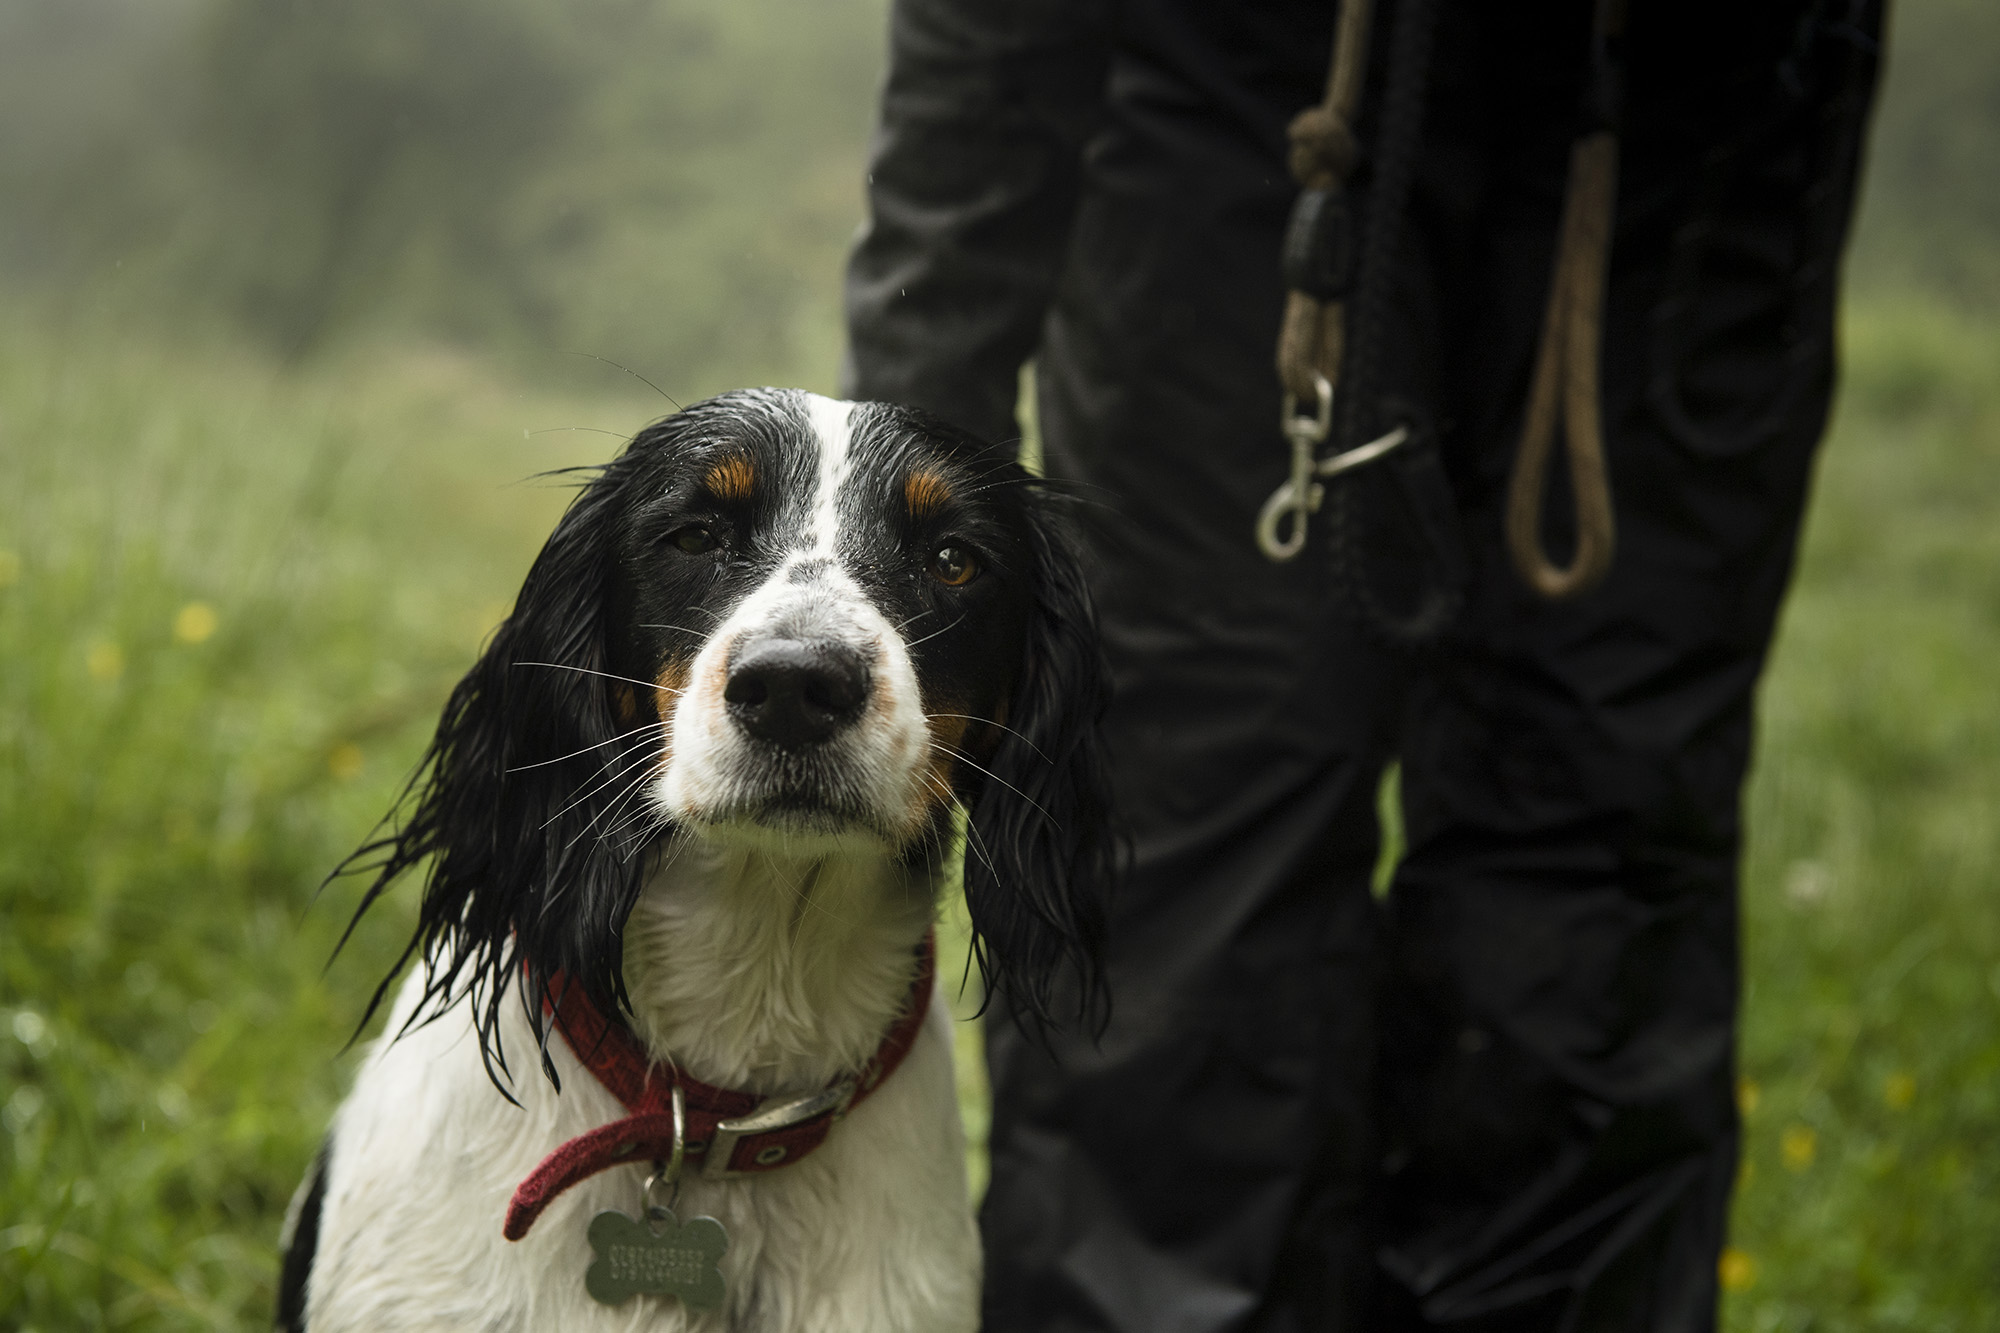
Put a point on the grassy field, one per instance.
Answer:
(231, 602)
(1871, 1047)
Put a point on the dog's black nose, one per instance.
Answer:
(794, 693)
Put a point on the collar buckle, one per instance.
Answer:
(774, 1116)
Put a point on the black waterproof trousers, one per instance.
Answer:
(1500, 1098)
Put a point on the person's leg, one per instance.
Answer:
(1144, 1184)
(1559, 1019)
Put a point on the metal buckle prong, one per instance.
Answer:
(775, 1113)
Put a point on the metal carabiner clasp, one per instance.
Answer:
(1299, 494)
(1302, 492)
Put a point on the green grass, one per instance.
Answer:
(175, 781)
(232, 604)
(1871, 1046)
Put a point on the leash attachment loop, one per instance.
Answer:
(667, 1173)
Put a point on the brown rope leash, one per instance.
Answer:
(1564, 390)
(1323, 153)
(1319, 263)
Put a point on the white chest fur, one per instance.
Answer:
(755, 972)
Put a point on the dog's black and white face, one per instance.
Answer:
(806, 626)
(832, 602)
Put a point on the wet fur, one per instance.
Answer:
(586, 809)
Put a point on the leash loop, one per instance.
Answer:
(1563, 397)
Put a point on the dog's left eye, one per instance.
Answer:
(694, 539)
(954, 566)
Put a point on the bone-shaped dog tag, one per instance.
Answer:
(662, 1255)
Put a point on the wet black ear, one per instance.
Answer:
(1039, 854)
(529, 803)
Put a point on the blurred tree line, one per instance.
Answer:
(669, 183)
(1931, 203)
(665, 182)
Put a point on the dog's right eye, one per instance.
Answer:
(694, 539)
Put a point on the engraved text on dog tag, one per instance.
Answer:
(663, 1255)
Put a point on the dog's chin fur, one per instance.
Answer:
(791, 834)
(789, 825)
(776, 970)
(605, 803)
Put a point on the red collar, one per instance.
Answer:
(730, 1133)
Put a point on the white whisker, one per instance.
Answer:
(594, 790)
(586, 671)
(967, 759)
(623, 735)
(991, 723)
(634, 785)
(934, 633)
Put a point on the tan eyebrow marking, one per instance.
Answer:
(926, 491)
(732, 479)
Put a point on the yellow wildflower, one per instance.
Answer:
(104, 661)
(344, 761)
(1899, 1090)
(1737, 1270)
(1798, 1145)
(195, 622)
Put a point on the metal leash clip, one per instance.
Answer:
(1300, 494)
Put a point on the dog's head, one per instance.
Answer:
(775, 619)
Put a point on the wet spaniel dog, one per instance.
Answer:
(672, 1058)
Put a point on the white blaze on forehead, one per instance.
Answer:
(830, 419)
(715, 771)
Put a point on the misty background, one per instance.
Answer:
(298, 298)
(667, 183)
